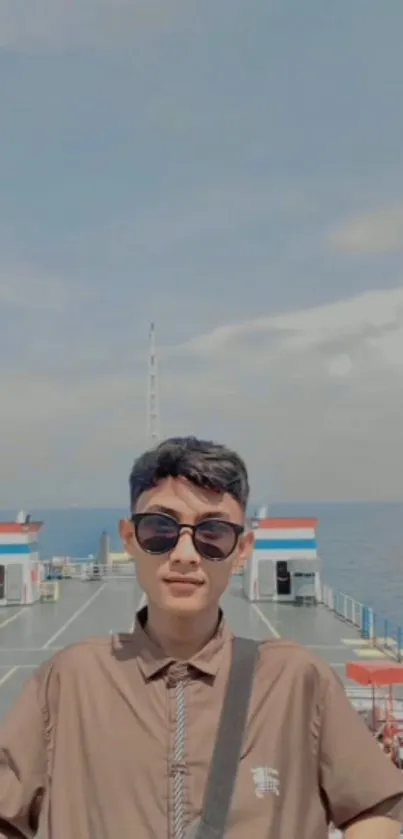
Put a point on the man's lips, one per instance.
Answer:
(188, 581)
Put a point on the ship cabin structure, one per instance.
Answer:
(284, 566)
(20, 568)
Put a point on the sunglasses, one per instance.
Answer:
(213, 539)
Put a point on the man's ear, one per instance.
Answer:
(126, 533)
(246, 545)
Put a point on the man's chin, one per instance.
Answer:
(189, 602)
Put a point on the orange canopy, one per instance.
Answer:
(377, 673)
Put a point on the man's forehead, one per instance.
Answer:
(185, 498)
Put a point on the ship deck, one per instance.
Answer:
(30, 635)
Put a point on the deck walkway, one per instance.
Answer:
(30, 635)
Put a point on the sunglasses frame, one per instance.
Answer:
(237, 531)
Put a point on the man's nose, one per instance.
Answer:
(185, 551)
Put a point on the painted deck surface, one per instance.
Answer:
(30, 635)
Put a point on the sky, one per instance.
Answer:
(234, 172)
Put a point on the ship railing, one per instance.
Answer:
(380, 632)
(363, 699)
(114, 570)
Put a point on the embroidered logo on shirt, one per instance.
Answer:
(266, 780)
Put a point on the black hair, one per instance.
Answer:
(203, 463)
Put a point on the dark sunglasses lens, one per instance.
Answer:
(156, 534)
(215, 539)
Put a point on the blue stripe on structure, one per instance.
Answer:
(19, 550)
(285, 544)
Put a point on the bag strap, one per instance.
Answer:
(228, 745)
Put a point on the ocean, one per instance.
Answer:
(360, 545)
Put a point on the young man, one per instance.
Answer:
(114, 737)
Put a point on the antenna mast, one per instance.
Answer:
(153, 418)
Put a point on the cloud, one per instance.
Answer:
(371, 234)
(65, 24)
(312, 399)
(370, 318)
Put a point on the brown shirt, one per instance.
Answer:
(120, 738)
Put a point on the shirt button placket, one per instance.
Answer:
(176, 683)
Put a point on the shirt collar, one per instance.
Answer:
(152, 659)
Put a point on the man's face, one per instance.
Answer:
(181, 581)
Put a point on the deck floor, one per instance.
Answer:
(30, 635)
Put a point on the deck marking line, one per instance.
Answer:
(370, 652)
(12, 618)
(387, 642)
(265, 620)
(74, 617)
(8, 675)
(366, 642)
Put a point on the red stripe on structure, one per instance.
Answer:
(15, 527)
(290, 524)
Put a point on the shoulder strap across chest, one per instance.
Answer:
(228, 745)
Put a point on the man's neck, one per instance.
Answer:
(181, 637)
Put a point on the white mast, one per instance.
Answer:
(153, 417)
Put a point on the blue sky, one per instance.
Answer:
(233, 171)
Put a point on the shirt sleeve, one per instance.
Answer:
(356, 778)
(22, 764)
